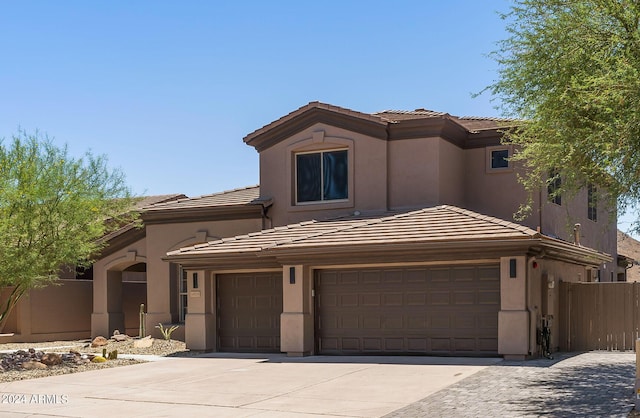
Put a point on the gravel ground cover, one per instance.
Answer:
(158, 348)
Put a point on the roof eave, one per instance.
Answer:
(310, 115)
(197, 214)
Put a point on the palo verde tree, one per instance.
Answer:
(53, 211)
(571, 71)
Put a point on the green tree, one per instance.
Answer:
(53, 211)
(571, 71)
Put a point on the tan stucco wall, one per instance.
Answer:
(495, 193)
(414, 174)
(56, 312)
(368, 182)
(451, 173)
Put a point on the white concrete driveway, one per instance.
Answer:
(234, 385)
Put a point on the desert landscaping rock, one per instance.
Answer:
(120, 337)
(51, 359)
(76, 356)
(33, 365)
(99, 341)
(145, 342)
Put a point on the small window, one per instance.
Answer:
(553, 187)
(500, 158)
(322, 176)
(182, 295)
(497, 159)
(592, 203)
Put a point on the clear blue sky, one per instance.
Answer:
(168, 89)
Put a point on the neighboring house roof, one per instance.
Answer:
(132, 232)
(386, 125)
(238, 203)
(434, 228)
(630, 247)
(154, 200)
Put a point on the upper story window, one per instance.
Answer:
(500, 158)
(322, 176)
(592, 202)
(497, 159)
(554, 182)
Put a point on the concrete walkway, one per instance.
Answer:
(240, 386)
(595, 384)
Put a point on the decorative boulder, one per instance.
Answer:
(51, 359)
(99, 341)
(33, 365)
(120, 337)
(145, 342)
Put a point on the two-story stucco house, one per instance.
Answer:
(390, 232)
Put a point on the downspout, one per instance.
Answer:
(540, 210)
(266, 220)
(387, 130)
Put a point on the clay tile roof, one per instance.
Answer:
(241, 196)
(474, 123)
(309, 106)
(147, 201)
(398, 115)
(435, 224)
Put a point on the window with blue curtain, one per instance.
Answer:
(322, 176)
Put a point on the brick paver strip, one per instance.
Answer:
(594, 384)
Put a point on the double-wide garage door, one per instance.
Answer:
(249, 307)
(448, 310)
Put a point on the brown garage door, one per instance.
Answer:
(437, 310)
(249, 308)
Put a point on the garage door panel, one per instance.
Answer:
(416, 310)
(464, 297)
(489, 345)
(392, 277)
(249, 309)
(464, 322)
(416, 276)
(463, 274)
(417, 344)
(439, 275)
(441, 345)
(371, 277)
(349, 300)
(488, 297)
(440, 297)
(372, 299)
(490, 274)
(348, 278)
(464, 344)
(392, 299)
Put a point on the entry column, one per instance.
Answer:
(296, 321)
(513, 318)
(200, 321)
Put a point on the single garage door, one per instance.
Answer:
(447, 310)
(249, 307)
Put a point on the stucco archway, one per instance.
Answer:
(110, 299)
